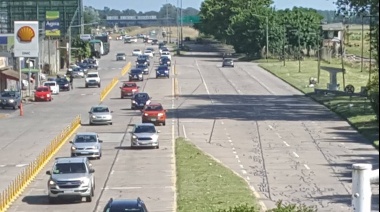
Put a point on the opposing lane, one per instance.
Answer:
(288, 147)
(23, 138)
(122, 172)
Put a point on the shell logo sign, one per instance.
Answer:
(25, 34)
(26, 42)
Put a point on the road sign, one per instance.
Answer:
(190, 19)
(26, 39)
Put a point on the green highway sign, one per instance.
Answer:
(190, 19)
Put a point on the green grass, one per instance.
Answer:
(204, 185)
(355, 44)
(356, 110)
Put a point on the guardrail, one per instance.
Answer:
(362, 178)
(18, 185)
(126, 69)
(108, 88)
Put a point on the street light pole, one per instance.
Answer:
(362, 50)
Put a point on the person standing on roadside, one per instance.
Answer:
(71, 81)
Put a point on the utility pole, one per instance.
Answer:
(167, 21)
(181, 23)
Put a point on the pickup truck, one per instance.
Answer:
(54, 87)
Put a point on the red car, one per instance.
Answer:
(154, 113)
(42, 93)
(128, 89)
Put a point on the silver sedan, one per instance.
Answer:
(86, 144)
(144, 135)
(100, 114)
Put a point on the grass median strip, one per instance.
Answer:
(204, 185)
(356, 110)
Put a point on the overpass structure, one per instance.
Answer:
(123, 21)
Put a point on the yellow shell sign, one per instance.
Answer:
(25, 34)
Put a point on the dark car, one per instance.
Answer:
(10, 99)
(162, 71)
(83, 66)
(139, 100)
(63, 83)
(91, 63)
(142, 61)
(228, 62)
(145, 68)
(144, 57)
(154, 42)
(136, 74)
(165, 61)
(125, 205)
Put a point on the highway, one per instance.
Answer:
(25, 137)
(287, 146)
(121, 172)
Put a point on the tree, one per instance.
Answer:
(81, 49)
(90, 15)
(354, 8)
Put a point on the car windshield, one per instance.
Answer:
(141, 66)
(100, 110)
(129, 85)
(69, 168)
(141, 96)
(85, 139)
(49, 84)
(154, 108)
(136, 50)
(123, 209)
(121, 54)
(8, 94)
(148, 51)
(228, 60)
(61, 80)
(92, 75)
(136, 71)
(42, 89)
(162, 68)
(145, 129)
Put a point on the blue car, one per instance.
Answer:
(139, 100)
(162, 71)
(136, 74)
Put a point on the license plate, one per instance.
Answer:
(84, 153)
(153, 119)
(129, 93)
(68, 191)
(42, 97)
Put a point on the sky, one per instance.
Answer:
(155, 5)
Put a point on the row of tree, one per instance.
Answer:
(244, 24)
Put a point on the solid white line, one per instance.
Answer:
(306, 166)
(184, 131)
(295, 154)
(286, 144)
(204, 81)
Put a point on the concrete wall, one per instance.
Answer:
(49, 54)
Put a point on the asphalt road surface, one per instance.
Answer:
(23, 138)
(285, 145)
(121, 172)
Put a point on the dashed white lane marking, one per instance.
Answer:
(278, 135)
(241, 166)
(306, 166)
(13, 165)
(244, 171)
(286, 144)
(270, 126)
(222, 122)
(112, 172)
(21, 165)
(1, 166)
(237, 156)
(296, 155)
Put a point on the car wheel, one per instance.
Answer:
(164, 123)
(73, 155)
(111, 123)
(52, 200)
(121, 97)
(157, 147)
(89, 199)
(99, 85)
(14, 108)
(90, 123)
(2, 107)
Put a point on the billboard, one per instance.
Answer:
(7, 42)
(52, 28)
(26, 39)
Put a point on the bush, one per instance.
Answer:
(241, 208)
(292, 208)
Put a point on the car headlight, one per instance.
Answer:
(140, 75)
(73, 148)
(166, 71)
(158, 72)
(160, 114)
(134, 102)
(145, 114)
(51, 182)
(11, 100)
(66, 85)
(134, 137)
(85, 181)
(93, 117)
(134, 90)
(48, 95)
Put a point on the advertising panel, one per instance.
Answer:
(26, 39)
(52, 28)
(7, 42)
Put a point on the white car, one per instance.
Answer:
(134, 39)
(151, 49)
(136, 52)
(149, 53)
(166, 54)
(93, 79)
(54, 87)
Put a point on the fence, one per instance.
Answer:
(17, 186)
(362, 178)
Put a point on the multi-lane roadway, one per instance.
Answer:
(285, 145)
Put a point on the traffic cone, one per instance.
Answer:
(21, 110)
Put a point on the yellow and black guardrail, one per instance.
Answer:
(126, 69)
(18, 185)
(108, 88)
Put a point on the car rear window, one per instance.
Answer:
(92, 75)
(42, 89)
(128, 85)
(154, 108)
(49, 84)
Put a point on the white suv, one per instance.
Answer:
(93, 79)
(54, 87)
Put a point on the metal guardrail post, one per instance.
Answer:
(362, 178)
